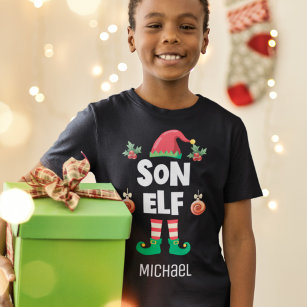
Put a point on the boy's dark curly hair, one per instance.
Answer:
(134, 3)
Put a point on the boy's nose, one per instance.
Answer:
(171, 40)
(170, 36)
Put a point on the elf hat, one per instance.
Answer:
(166, 144)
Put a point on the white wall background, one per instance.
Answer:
(68, 85)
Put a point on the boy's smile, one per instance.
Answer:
(168, 38)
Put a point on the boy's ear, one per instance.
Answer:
(131, 39)
(205, 41)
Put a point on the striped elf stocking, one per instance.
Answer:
(252, 58)
(155, 240)
(173, 229)
(156, 226)
(174, 241)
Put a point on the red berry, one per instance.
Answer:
(134, 156)
(130, 157)
(200, 158)
(194, 159)
(196, 154)
(131, 152)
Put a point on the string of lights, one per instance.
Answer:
(273, 140)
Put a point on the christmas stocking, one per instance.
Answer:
(253, 51)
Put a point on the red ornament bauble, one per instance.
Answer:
(130, 204)
(198, 207)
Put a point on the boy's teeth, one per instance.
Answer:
(169, 57)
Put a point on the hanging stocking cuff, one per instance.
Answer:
(248, 15)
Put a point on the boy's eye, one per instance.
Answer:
(153, 26)
(186, 27)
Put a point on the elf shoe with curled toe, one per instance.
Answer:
(153, 249)
(176, 250)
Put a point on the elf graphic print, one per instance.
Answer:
(155, 240)
(166, 146)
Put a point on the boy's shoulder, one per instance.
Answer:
(111, 101)
(217, 111)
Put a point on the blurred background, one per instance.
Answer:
(58, 56)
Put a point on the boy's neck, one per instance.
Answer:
(167, 95)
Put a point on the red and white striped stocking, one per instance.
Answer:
(253, 53)
(156, 227)
(173, 229)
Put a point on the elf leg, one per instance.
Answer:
(252, 58)
(173, 240)
(155, 240)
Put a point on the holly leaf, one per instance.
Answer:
(195, 148)
(130, 146)
(203, 151)
(126, 153)
(138, 150)
(190, 156)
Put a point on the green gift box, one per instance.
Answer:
(64, 258)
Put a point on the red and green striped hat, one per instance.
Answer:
(166, 144)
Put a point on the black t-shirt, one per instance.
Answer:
(175, 169)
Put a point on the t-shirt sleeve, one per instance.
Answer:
(242, 181)
(79, 135)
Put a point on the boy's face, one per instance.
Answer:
(165, 27)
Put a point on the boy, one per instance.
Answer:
(186, 161)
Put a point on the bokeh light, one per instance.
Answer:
(40, 97)
(274, 33)
(18, 133)
(97, 70)
(38, 3)
(271, 82)
(279, 148)
(16, 206)
(40, 279)
(265, 192)
(112, 28)
(104, 36)
(113, 78)
(34, 90)
(275, 138)
(82, 7)
(105, 86)
(6, 117)
(122, 66)
(93, 23)
(273, 95)
(48, 50)
(113, 304)
(272, 43)
(273, 205)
